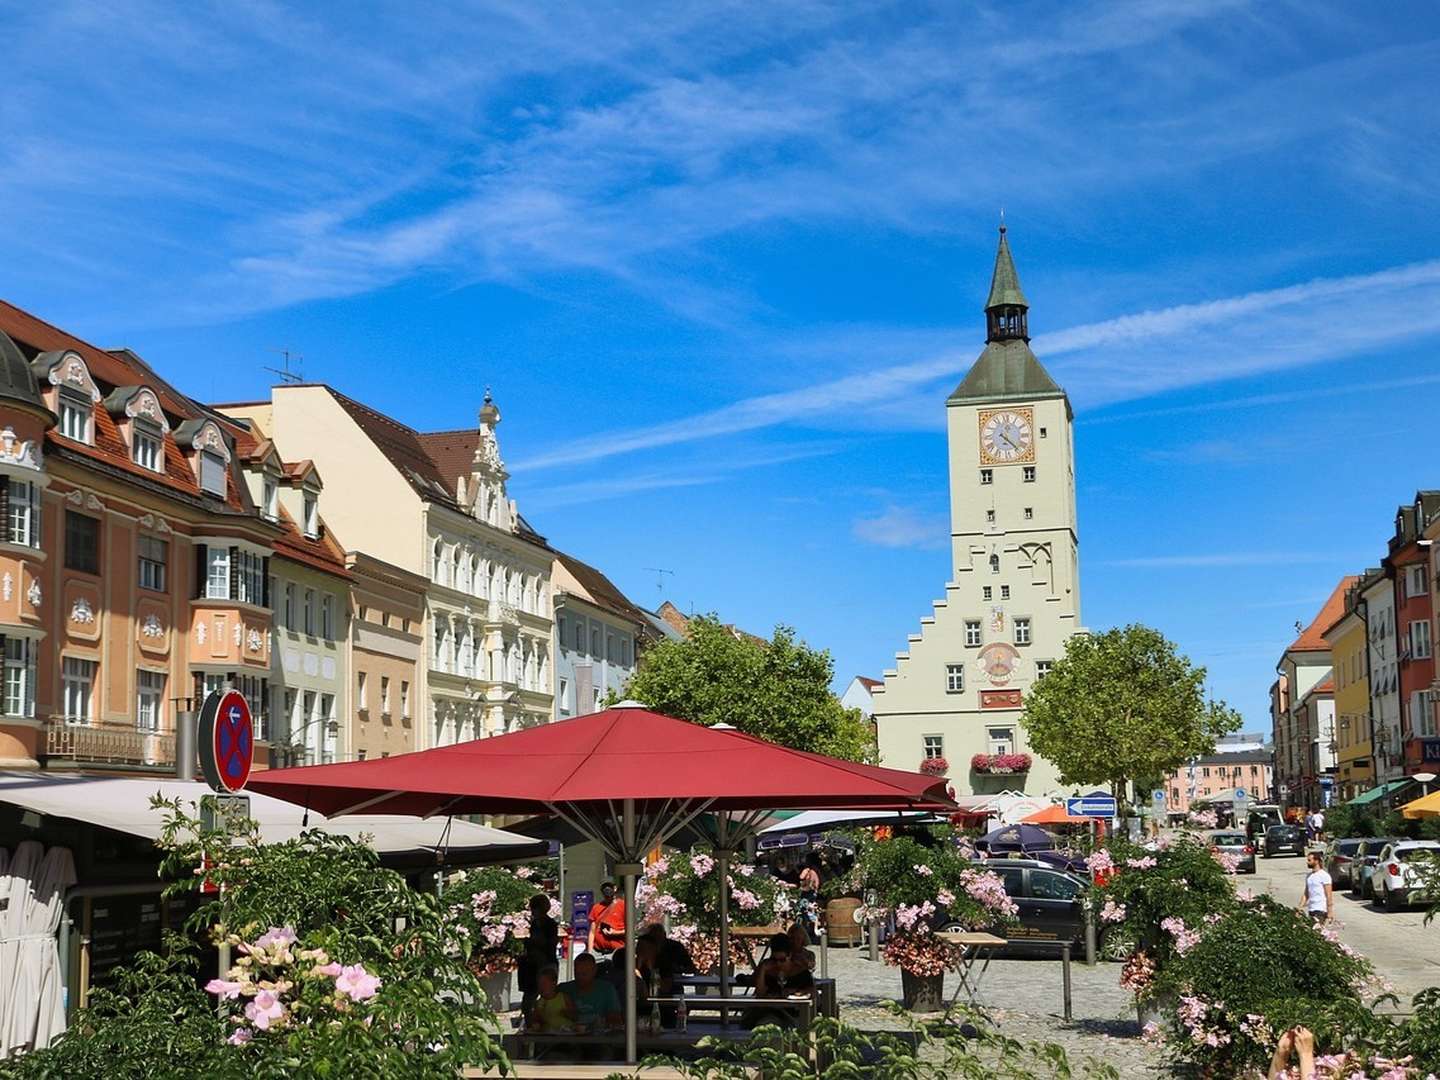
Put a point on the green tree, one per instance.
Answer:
(1123, 705)
(777, 690)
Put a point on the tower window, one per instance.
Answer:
(954, 678)
(972, 633)
(987, 593)
(990, 516)
(1004, 592)
(1029, 513)
(1028, 474)
(994, 564)
(987, 476)
(1022, 631)
(1042, 433)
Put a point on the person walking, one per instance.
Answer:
(1318, 897)
(607, 922)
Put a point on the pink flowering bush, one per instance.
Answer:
(935, 766)
(685, 889)
(487, 912)
(1000, 763)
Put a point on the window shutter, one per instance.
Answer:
(202, 569)
(265, 580)
(5, 507)
(37, 507)
(234, 573)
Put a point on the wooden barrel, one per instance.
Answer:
(840, 924)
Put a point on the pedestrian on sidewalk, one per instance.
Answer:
(1317, 899)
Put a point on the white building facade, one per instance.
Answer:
(1388, 744)
(957, 692)
(598, 637)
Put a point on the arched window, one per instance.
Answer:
(437, 559)
(477, 582)
(453, 574)
(462, 571)
(994, 564)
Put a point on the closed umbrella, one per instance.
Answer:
(15, 890)
(37, 1013)
(627, 777)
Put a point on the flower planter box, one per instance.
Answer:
(1000, 764)
(922, 993)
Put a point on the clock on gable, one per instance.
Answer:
(1007, 436)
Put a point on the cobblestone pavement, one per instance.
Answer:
(1025, 999)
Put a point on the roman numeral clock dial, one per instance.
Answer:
(1007, 436)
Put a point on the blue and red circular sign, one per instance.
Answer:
(227, 740)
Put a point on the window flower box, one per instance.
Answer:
(1000, 763)
(935, 766)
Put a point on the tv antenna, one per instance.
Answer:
(659, 573)
(286, 375)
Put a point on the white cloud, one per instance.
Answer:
(903, 527)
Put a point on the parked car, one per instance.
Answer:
(1050, 910)
(1235, 843)
(1280, 838)
(1395, 881)
(1339, 858)
(1363, 866)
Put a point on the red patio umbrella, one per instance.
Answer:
(626, 777)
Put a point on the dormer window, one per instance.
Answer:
(77, 416)
(270, 498)
(147, 447)
(212, 473)
(312, 515)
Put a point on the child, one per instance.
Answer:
(553, 1011)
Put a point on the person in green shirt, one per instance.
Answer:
(596, 1002)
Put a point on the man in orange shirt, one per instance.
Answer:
(607, 921)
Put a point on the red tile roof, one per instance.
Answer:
(322, 553)
(1312, 638)
(111, 369)
(601, 589)
(1325, 686)
(869, 683)
(403, 446)
(451, 452)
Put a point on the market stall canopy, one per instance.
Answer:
(816, 820)
(1428, 806)
(1380, 792)
(1054, 815)
(1020, 838)
(626, 752)
(123, 804)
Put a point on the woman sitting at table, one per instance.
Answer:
(800, 951)
(553, 1010)
(778, 976)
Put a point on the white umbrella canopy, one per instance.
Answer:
(36, 1010)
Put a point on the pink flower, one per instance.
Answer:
(922, 870)
(1144, 863)
(240, 1036)
(946, 897)
(524, 873)
(224, 988)
(1101, 862)
(702, 864)
(265, 1010)
(331, 970)
(357, 983)
(276, 935)
(1112, 912)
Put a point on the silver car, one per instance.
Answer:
(1237, 844)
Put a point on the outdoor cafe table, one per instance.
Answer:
(974, 946)
(826, 1000)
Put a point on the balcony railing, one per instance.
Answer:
(110, 744)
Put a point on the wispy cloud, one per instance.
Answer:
(1228, 559)
(903, 527)
(1302, 324)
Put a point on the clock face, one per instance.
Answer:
(1007, 436)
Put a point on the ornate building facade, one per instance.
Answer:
(958, 690)
(435, 505)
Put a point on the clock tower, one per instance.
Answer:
(958, 689)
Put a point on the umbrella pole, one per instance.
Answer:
(627, 871)
(722, 864)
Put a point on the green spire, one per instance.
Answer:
(1005, 283)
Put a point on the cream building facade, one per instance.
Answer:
(957, 692)
(435, 505)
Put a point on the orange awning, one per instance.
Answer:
(1053, 815)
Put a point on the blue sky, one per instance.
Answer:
(723, 262)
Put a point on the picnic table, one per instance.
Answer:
(974, 947)
(827, 1002)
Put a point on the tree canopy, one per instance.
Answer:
(777, 690)
(1123, 705)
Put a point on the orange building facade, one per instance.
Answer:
(135, 563)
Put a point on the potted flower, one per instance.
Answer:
(935, 766)
(488, 918)
(925, 888)
(683, 889)
(1000, 764)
